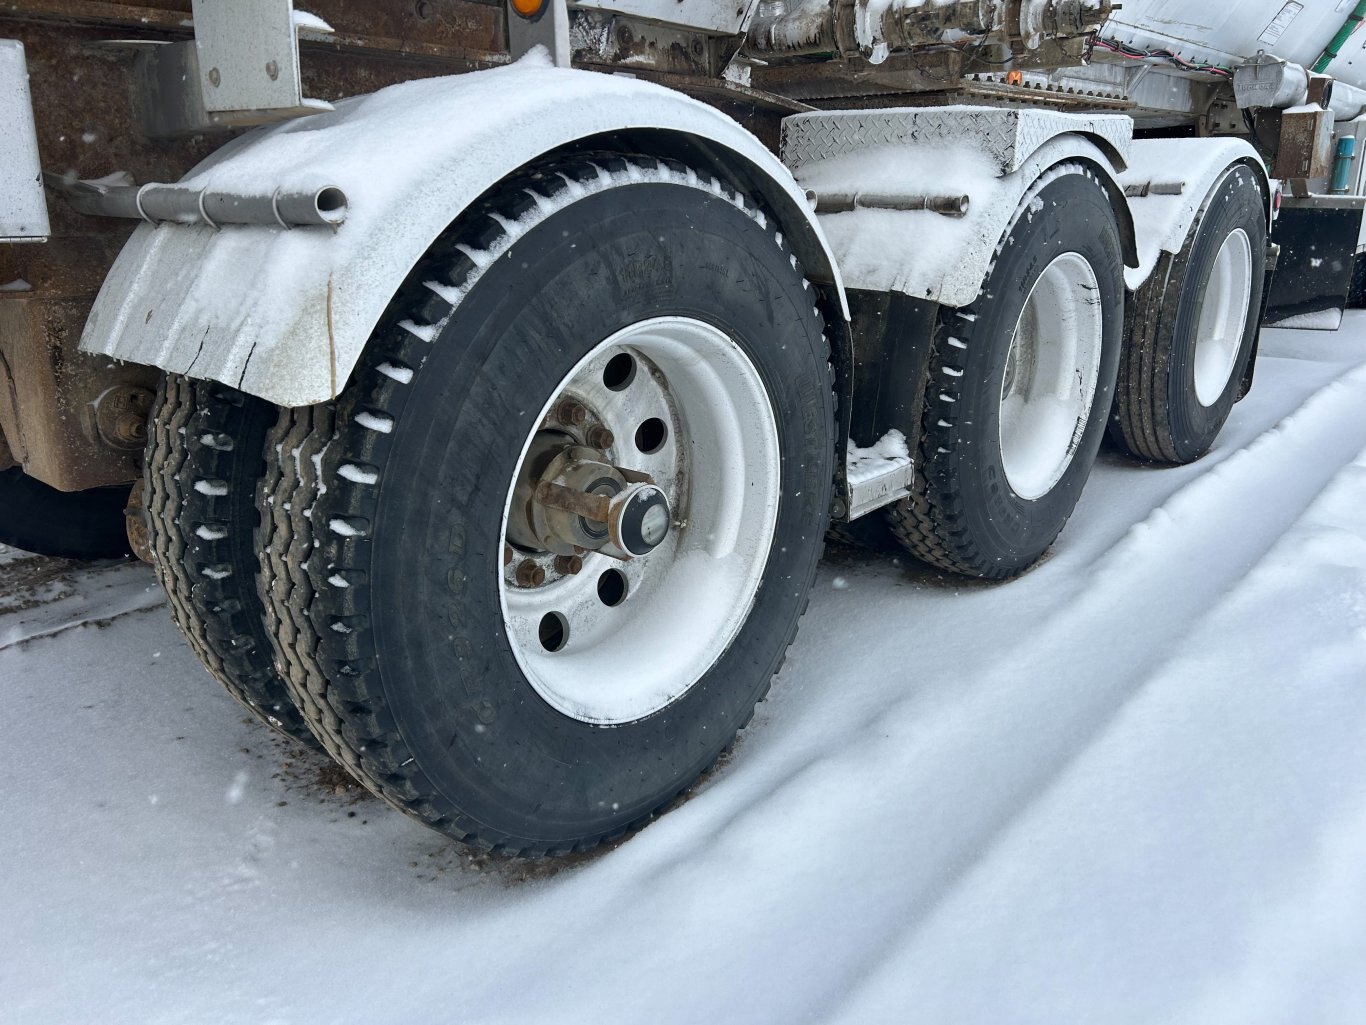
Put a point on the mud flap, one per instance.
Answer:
(1318, 239)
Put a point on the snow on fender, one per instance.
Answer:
(975, 162)
(283, 314)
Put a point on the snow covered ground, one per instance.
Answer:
(1128, 787)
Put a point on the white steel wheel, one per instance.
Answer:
(606, 639)
(1191, 328)
(1052, 368)
(1223, 317)
(1019, 386)
(564, 520)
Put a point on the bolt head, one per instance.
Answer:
(529, 574)
(568, 565)
(570, 412)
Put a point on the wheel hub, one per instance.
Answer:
(639, 520)
(1051, 374)
(569, 500)
(1223, 317)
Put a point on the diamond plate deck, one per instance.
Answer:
(1009, 137)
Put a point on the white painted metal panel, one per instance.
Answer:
(23, 208)
(1008, 137)
(990, 156)
(248, 55)
(920, 253)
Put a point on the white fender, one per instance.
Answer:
(284, 314)
(990, 157)
(1177, 176)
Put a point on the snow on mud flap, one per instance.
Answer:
(1190, 329)
(1020, 386)
(531, 571)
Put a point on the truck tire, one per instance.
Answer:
(492, 688)
(63, 524)
(1356, 292)
(1020, 386)
(204, 459)
(1189, 331)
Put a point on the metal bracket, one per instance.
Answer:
(241, 69)
(248, 58)
(872, 493)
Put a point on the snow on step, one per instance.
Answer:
(883, 456)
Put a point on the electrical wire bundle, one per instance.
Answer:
(1136, 53)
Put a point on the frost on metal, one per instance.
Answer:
(1163, 218)
(887, 453)
(990, 156)
(284, 314)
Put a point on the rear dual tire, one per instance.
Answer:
(1190, 329)
(205, 457)
(1020, 384)
(396, 607)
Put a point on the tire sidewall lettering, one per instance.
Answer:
(469, 411)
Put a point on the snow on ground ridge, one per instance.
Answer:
(1125, 787)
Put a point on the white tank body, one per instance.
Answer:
(1227, 32)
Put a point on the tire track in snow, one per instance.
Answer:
(1151, 562)
(45, 597)
(1326, 535)
(939, 788)
(1150, 565)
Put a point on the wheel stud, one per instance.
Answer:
(567, 411)
(529, 574)
(600, 438)
(567, 565)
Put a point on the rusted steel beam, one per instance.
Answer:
(95, 12)
(461, 33)
(70, 418)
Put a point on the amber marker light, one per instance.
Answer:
(528, 8)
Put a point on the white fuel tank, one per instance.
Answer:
(1228, 32)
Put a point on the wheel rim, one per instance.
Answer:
(1223, 316)
(1050, 377)
(612, 640)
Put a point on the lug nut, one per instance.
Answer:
(507, 555)
(570, 412)
(568, 564)
(529, 574)
(600, 438)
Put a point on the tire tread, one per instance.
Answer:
(194, 433)
(323, 643)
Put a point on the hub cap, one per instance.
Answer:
(1051, 374)
(639, 521)
(1223, 316)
